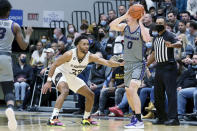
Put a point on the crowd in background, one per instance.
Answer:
(108, 83)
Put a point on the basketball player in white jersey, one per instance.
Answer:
(135, 34)
(9, 30)
(63, 73)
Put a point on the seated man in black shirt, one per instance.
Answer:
(116, 88)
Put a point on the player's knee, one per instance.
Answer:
(65, 91)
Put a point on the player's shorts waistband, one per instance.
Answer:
(5, 53)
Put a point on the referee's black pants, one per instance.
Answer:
(165, 81)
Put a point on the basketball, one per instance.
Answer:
(136, 11)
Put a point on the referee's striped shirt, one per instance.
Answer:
(162, 53)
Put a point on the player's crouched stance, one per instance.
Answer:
(63, 73)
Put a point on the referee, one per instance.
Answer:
(164, 43)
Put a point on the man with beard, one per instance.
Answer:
(63, 73)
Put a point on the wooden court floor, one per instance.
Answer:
(28, 121)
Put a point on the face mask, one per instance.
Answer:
(111, 35)
(90, 42)
(69, 41)
(194, 66)
(103, 23)
(155, 33)
(149, 44)
(23, 60)
(71, 30)
(54, 36)
(43, 40)
(101, 35)
(159, 28)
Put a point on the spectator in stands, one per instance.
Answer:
(72, 30)
(110, 44)
(168, 7)
(191, 6)
(147, 21)
(193, 32)
(59, 36)
(84, 27)
(160, 12)
(185, 15)
(180, 53)
(122, 10)
(169, 27)
(112, 16)
(172, 17)
(182, 28)
(23, 75)
(38, 58)
(152, 12)
(54, 47)
(70, 41)
(103, 21)
(115, 87)
(50, 59)
(98, 75)
(61, 49)
(94, 44)
(45, 41)
(187, 88)
(102, 39)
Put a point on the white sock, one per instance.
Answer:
(55, 113)
(86, 115)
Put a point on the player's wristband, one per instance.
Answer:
(49, 79)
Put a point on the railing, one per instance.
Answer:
(101, 7)
(78, 16)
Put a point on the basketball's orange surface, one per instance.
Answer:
(136, 11)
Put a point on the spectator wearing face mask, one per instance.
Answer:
(94, 44)
(103, 22)
(110, 43)
(84, 27)
(102, 39)
(23, 75)
(70, 39)
(59, 36)
(46, 43)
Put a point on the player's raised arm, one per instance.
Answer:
(144, 31)
(115, 24)
(109, 63)
(23, 42)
